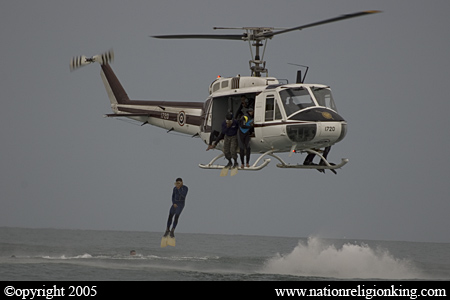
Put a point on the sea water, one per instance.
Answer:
(92, 255)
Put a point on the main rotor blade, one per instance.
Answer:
(343, 17)
(239, 37)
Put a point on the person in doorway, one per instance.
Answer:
(179, 194)
(245, 132)
(230, 128)
(243, 107)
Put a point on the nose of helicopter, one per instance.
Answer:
(317, 133)
(320, 126)
(331, 132)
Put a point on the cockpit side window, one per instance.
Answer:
(270, 106)
(272, 110)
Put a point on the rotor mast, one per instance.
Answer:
(255, 38)
(257, 64)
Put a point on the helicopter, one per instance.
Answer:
(288, 117)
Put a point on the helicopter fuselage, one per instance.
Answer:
(287, 117)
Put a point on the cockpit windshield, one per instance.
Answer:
(324, 97)
(295, 99)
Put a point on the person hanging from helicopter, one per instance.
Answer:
(230, 128)
(244, 134)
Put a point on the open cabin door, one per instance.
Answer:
(217, 109)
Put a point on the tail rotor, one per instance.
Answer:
(80, 61)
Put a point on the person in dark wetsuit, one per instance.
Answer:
(244, 134)
(230, 128)
(179, 194)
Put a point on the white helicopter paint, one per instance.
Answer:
(287, 117)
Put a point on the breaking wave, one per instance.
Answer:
(351, 261)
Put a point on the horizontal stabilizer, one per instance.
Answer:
(127, 115)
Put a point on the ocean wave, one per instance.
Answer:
(64, 257)
(137, 256)
(316, 258)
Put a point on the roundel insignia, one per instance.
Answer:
(181, 118)
(327, 115)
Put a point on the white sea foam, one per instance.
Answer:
(316, 258)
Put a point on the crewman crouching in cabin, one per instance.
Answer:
(230, 128)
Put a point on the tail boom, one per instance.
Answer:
(183, 117)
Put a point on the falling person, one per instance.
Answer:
(179, 194)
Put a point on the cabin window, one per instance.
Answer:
(216, 87)
(225, 84)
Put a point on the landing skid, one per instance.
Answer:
(325, 165)
(254, 167)
(314, 166)
(258, 166)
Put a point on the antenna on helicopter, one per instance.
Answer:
(300, 79)
(258, 35)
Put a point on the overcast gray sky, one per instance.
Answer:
(63, 165)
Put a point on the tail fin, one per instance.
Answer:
(114, 88)
(116, 92)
